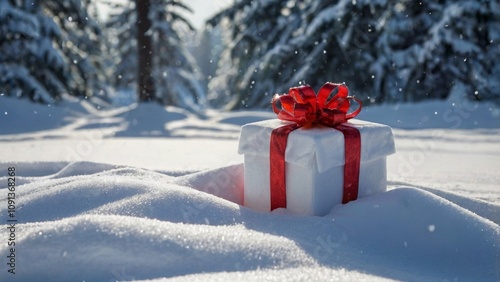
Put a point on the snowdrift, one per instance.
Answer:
(153, 193)
(97, 222)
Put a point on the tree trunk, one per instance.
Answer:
(145, 82)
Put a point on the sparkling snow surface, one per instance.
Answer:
(147, 193)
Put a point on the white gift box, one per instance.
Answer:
(315, 160)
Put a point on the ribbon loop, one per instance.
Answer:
(357, 111)
(302, 106)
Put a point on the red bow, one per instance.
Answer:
(302, 106)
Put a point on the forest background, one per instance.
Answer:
(386, 51)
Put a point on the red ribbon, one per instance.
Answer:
(305, 109)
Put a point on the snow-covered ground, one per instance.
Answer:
(144, 192)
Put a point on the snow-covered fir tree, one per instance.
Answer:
(429, 49)
(259, 58)
(176, 78)
(207, 51)
(49, 48)
(274, 45)
(391, 50)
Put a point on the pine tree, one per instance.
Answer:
(173, 71)
(145, 78)
(255, 64)
(339, 40)
(207, 52)
(49, 48)
(390, 50)
(428, 49)
(280, 44)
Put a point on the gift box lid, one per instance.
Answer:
(320, 144)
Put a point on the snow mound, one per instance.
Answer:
(101, 223)
(88, 247)
(149, 120)
(415, 226)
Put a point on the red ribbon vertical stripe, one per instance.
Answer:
(352, 146)
(277, 164)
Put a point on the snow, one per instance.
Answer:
(154, 194)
